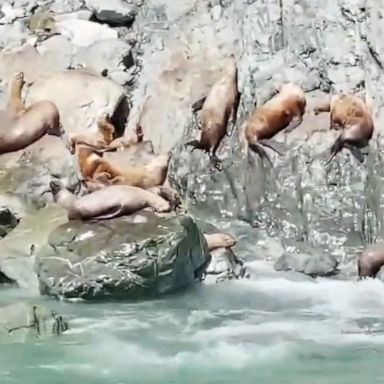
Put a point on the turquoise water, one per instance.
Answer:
(265, 330)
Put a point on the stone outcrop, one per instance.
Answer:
(118, 259)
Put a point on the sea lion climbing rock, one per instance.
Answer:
(218, 108)
(353, 117)
(284, 111)
(107, 203)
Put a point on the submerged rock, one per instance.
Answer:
(312, 264)
(119, 259)
(21, 320)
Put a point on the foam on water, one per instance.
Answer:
(266, 329)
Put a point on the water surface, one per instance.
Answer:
(266, 330)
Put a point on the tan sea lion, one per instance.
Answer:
(15, 104)
(285, 110)
(219, 240)
(353, 117)
(39, 119)
(371, 260)
(107, 203)
(218, 108)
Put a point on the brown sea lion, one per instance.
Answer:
(15, 104)
(39, 119)
(285, 110)
(353, 117)
(219, 240)
(94, 167)
(129, 140)
(218, 108)
(107, 203)
(371, 260)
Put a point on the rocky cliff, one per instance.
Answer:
(165, 54)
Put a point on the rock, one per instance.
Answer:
(19, 246)
(117, 259)
(84, 33)
(312, 264)
(83, 98)
(13, 35)
(224, 265)
(8, 13)
(113, 12)
(8, 221)
(27, 59)
(20, 321)
(111, 54)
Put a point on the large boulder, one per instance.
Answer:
(82, 97)
(22, 320)
(126, 258)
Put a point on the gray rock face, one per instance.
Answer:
(312, 264)
(8, 221)
(118, 259)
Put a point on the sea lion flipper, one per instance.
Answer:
(335, 149)
(261, 152)
(195, 144)
(356, 153)
(112, 213)
(198, 105)
(279, 148)
(234, 111)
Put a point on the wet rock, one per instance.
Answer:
(8, 221)
(113, 12)
(84, 96)
(225, 265)
(117, 259)
(312, 264)
(84, 33)
(19, 246)
(8, 13)
(21, 321)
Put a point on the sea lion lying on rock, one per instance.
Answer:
(370, 260)
(353, 117)
(107, 203)
(284, 111)
(28, 124)
(94, 167)
(218, 108)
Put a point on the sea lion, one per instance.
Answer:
(370, 260)
(15, 104)
(133, 138)
(353, 117)
(99, 140)
(107, 203)
(39, 119)
(219, 240)
(285, 110)
(218, 108)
